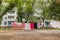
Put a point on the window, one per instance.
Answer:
(5, 17)
(11, 17)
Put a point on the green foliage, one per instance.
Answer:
(48, 11)
(55, 11)
(9, 7)
(19, 4)
(0, 2)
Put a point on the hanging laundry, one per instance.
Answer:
(35, 25)
(27, 26)
(32, 25)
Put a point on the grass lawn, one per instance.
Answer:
(48, 28)
(5, 28)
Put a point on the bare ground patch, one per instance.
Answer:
(30, 35)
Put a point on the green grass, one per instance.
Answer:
(48, 28)
(5, 28)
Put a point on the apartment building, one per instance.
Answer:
(10, 17)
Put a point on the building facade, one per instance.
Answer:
(10, 17)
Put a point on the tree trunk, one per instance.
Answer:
(27, 17)
(0, 2)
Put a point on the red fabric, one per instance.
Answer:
(32, 25)
(13, 25)
(18, 26)
(23, 25)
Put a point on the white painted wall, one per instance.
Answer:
(14, 14)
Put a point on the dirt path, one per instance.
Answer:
(30, 35)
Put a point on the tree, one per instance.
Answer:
(42, 8)
(0, 1)
(29, 10)
(19, 4)
(55, 10)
